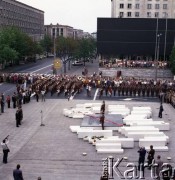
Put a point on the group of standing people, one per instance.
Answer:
(155, 163)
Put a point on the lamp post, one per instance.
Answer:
(157, 57)
(166, 16)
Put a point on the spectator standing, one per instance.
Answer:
(150, 156)
(5, 149)
(142, 153)
(159, 163)
(2, 105)
(17, 173)
(8, 101)
(17, 115)
(14, 100)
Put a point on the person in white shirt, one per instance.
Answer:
(43, 95)
(5, 149)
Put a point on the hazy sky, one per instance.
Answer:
(80, 14)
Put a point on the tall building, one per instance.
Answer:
(28, 19)
(143, 8)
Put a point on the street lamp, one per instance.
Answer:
(166, 16)
(157, 54)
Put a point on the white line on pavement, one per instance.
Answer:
(41, 68)
(74, 94)
(95, 95)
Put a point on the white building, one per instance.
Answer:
(143, 8)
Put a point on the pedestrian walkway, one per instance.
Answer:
(53, 152)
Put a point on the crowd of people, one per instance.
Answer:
(40, 85)
(132, 63)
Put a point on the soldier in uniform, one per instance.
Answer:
(130, 89)
(119, 90)
(147, 90)
(139, 90)
(100, 92)
(143, 90)
(114, 89)
(126, 89)
(123, 89)
(134, 90)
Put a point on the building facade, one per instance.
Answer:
(143, 9)
(58, 30)
(63, 30)
(28, 19)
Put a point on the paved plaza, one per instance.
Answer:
(54, 152)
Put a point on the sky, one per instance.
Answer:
(80, 14)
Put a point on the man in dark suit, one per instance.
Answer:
(17, 173)
(102, 119)
(102, 109)
(160, 110)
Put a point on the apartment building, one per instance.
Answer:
(27, 18)
(143, 9)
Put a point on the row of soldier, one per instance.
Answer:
(107, 86)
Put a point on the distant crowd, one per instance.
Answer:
(133, 63)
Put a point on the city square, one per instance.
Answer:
(87, 90)
(54, 152)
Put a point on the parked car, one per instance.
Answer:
(77, 63)
(50, 55)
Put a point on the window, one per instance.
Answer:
(121, 14)
(121, 6)
(165, 14)
(137, 6)
(149, 6)
(137, 14)
(129, 6)
(129, 14)
(165, 6)
(156, 14)
(148, 14)
(157, 6)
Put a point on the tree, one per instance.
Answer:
(8, 55)
(47, 44)
(172, 60)
(86, 49)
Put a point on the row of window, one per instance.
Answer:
(19, 8)
(149, 6)
(20, 23)
(18, 15)
(137, 14)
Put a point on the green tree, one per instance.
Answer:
(8, 55)
(47, 44)
(86, 49)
